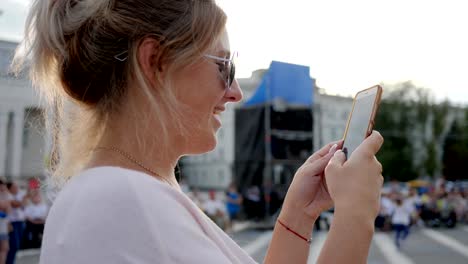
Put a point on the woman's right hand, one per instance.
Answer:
(354, 184)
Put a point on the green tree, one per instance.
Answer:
(394, 123)
(440, 113)
(456, 151)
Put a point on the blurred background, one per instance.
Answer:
(299, 65)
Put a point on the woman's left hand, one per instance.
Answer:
(308, 194)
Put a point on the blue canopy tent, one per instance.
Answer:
(270, 138)
(289, 82)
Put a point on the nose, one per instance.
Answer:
(234, 93)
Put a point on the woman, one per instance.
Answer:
(133, 85)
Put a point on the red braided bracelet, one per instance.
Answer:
(308, 240)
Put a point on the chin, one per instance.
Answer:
(203, 145)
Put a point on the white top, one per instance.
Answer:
(411, 202)
(387, 206)
(115, 215)
(401, 215)
(17, 214)
(211, 207)
(36, 211)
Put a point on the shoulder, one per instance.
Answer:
(104, 213)
(110, 190)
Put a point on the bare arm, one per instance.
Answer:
(306, 199)
(355, 187)
(16, 204)
(351, 233)
(285, 247)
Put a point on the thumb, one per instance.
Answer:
(338, 158)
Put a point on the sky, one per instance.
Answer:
(349, 45)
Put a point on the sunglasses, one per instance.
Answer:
(228, 69)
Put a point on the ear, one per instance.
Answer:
(149, 59)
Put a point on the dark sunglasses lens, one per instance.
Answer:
(232, 74)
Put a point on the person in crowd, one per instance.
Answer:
(5, 210)
(36, 213)
(387, 206)
(401, 219)
(446, 210)
(412, 203)
(131, 86)
(459, 204)
(18, 199)
(429, 212)
(233, 202)
(215, 209)
(254, 205)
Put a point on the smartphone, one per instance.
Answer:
(361, 119)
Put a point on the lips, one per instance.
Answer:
(218, 110)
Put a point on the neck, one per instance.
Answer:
(119, 147)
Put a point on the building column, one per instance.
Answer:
(3, 141)
(17, 149)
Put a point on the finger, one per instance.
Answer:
(371, 144)
(320, 164)
(325, 150)
(338, 158)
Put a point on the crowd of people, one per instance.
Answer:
(432, 205)
(23, 212)
(224, 208)
(22, 218)
(402, 206)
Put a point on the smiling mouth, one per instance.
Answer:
(218, 111)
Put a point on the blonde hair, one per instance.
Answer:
(71, 48)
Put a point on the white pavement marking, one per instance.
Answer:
(261, 241)
(389, 250)
(241, 226)
(318, 239)
(447, 241)
(28, 252)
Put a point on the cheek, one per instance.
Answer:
(192, 86)
(200, 90)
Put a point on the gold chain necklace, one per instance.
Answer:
(134, 161)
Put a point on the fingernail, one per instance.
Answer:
(333, 149)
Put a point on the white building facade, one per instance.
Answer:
(330, 117)
(22, 138)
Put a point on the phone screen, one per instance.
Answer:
(360, 121)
